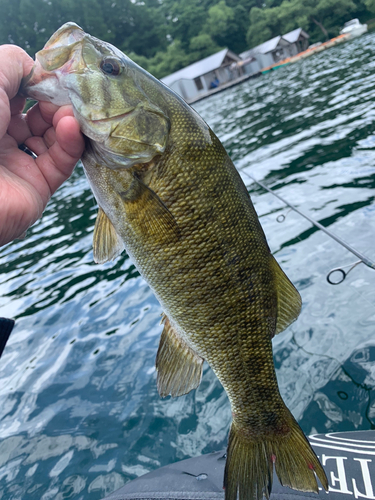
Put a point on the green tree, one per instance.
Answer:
(164, 63)
(166, 35)
(263, 25)
(227, 26)
(333, 14)
(202, 46)
(237, 28)
(370, 4)
(245, 4)
(320, 18)
(219, 17)
(27, 23)
(186, 20)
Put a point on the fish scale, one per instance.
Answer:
(168, 192)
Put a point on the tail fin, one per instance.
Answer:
(249, 467)
(296, 462)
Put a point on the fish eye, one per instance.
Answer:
(110, 66)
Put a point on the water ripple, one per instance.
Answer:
(79, 410)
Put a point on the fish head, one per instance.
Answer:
(106, 91)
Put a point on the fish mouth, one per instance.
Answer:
(62, 52)
(63, 49)
(68, 34)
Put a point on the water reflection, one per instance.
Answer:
(79, 410)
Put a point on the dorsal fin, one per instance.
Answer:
(107, 244)
(288, 299)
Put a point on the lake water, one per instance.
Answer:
(79, 410)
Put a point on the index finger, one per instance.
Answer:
(14, 65)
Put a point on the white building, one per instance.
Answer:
(200, 77)
(278, 48)
(226, 66)
(299, 40)
(270, 52)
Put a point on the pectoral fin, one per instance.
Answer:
(179, 367)
(288, 299)
(106, 242)
(153, 217)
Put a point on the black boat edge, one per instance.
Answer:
(348, 459)
(6, 327)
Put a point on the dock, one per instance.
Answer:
(224, 86)
(290, 60)
(307, 53)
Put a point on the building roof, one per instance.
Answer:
(200, 68)
(264, 48)
(270, 45)
(294, 35)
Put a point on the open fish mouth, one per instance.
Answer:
(62, 53)
(68, 34)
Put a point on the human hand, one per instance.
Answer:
(51, 132)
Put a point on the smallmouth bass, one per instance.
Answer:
(168, 192)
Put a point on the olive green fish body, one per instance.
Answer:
(169, 194)
(220, 295)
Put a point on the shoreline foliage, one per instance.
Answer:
(164, 36)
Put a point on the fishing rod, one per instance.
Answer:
(281, 218)
(363, 259)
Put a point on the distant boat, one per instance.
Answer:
(353, 28)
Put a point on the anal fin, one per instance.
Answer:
(179, 367)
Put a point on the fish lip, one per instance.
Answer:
(31, 81)
(64, 42)
(40, 72)
(73, 29)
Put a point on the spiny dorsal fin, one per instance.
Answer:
(288, 299)
(179, 367)
(106, 242)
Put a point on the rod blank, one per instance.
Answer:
(369, 263)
